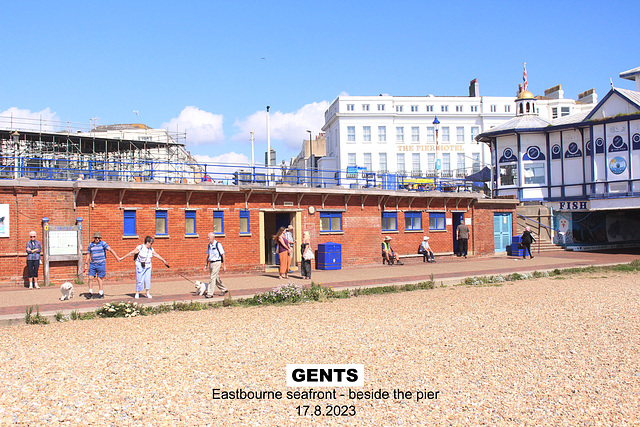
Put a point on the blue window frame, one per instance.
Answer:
(389, 221)
(190, 223)
(129, 223)
(161, 223)
(330, 221)
(218, 222)
(413, 220)
(436, 221)
(244, 222)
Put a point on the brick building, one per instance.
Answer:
(180, 216)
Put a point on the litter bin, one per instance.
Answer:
(516, 250)
(329, 256)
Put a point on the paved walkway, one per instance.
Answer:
(448, 270)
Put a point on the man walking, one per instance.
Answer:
(97, 262)
(215, 260)
(462, 234)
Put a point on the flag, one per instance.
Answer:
(524, 76)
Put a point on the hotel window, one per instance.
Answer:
(429, 108)
(458, 108)
(351, 134)
(431, 162)
(129, 223)
(382, 134)
(351, 159)
(444, 108)
(475, 164)
(389, 221)
(400, 161)
(383, 162)
(330, 221)
(350, 107)
(161, 223)
(494, 108)
(460, 134)
(218, 222)
(189, 223)
(475, 130)
(415, 162)
(244, 222)
(565, 111)
(413, 221)
(414, 108)
(436, 221)
(380, 107)
(554, 113)
(445, 134)
(366, 133)
(474, 108)
(399, 134)
(367, 162)
(415, 134)
(365, 107)
(461, 166)
(534, 173)
(398, 108)
(507, 108)
(446, 162)
(431, 134)
(508, 175)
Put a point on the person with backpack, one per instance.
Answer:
(142, 255)
(215, 260)
(96, 261)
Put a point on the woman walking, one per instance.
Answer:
(307, 255)
(527, 240)
(284, 252)
(144, 254)
(34, 251)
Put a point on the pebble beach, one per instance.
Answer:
(540, 352)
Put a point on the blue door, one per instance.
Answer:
(501, 231)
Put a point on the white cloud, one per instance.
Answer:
(201, 126)
(16, 118)
(221, 168)
(290, 128)
(231, 158)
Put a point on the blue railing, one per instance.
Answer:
(545, 226)
(65, 169)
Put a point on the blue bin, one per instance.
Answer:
(329, 256)
(515, 251)
(516, 239)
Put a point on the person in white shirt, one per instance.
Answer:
(425, 250)
(144, 254)
(215, 260)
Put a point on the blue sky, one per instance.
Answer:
(212, 67)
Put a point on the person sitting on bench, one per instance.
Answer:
(425, 250)
(388, 254)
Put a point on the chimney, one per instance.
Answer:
(555, 92)
(588, 97)
(474, 88)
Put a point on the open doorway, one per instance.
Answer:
(458, 218)
(272, 223)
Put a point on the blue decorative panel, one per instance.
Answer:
(508, 156)
(556, 152)
(599, 146)
(618, 144)
(572, 151)
(636, 141)
(533, 153)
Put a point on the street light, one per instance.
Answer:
(311, 156)
(436, 123)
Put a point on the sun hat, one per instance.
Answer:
(97, 234)
(387, 238)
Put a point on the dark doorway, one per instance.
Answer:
(458, 218)
(272, 223)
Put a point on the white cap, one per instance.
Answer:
(426, 238)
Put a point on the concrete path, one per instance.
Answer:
(447, 270)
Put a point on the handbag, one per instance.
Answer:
(308, 254)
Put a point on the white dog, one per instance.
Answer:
(201, 287)
(67, 291)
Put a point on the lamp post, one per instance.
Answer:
(311, 157)
(436, 123)
(15, 138)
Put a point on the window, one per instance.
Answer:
(476, 162)
(413, 221)
(380, 107)
(458, 108)
(400, 159)
(389, 221)
(534, 173)
(565, 111)
(415, 162)
(382, 134)
(446, 161)
(161, 223)
(460, 134)
(507, 108)
(508, 175)
(445, 134)
(351, 134)
(494, 108)
(366, 133)
(474, 108)
(475, 130)
(350, 107)
(554, 113)
(365, 107)
(400, 134)
(414, 108)
(444, 108)
(129, 223)
(436, 221)
(244, 222)
(218, 222)
(461, 166)
(351, 159)
(415, 134)
(431, 162)
(367, 162)
(429, 108)
(330, 221)
(398, 108)
(383, 162)
(431, 134)
(189, 223)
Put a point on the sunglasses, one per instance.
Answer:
(33, 237)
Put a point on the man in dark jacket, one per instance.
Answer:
(527, 239)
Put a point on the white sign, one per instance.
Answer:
(63, 242)
(467, 221)
(449, 221)
(4, 220)
(325, 375)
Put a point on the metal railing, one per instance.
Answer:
(551, 230)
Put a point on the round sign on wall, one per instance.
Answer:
(617, 165)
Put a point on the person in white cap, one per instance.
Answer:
(388, 254)
(425, 250)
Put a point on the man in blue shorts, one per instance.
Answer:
(97, 262)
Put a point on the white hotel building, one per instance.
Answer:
(396, 134)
